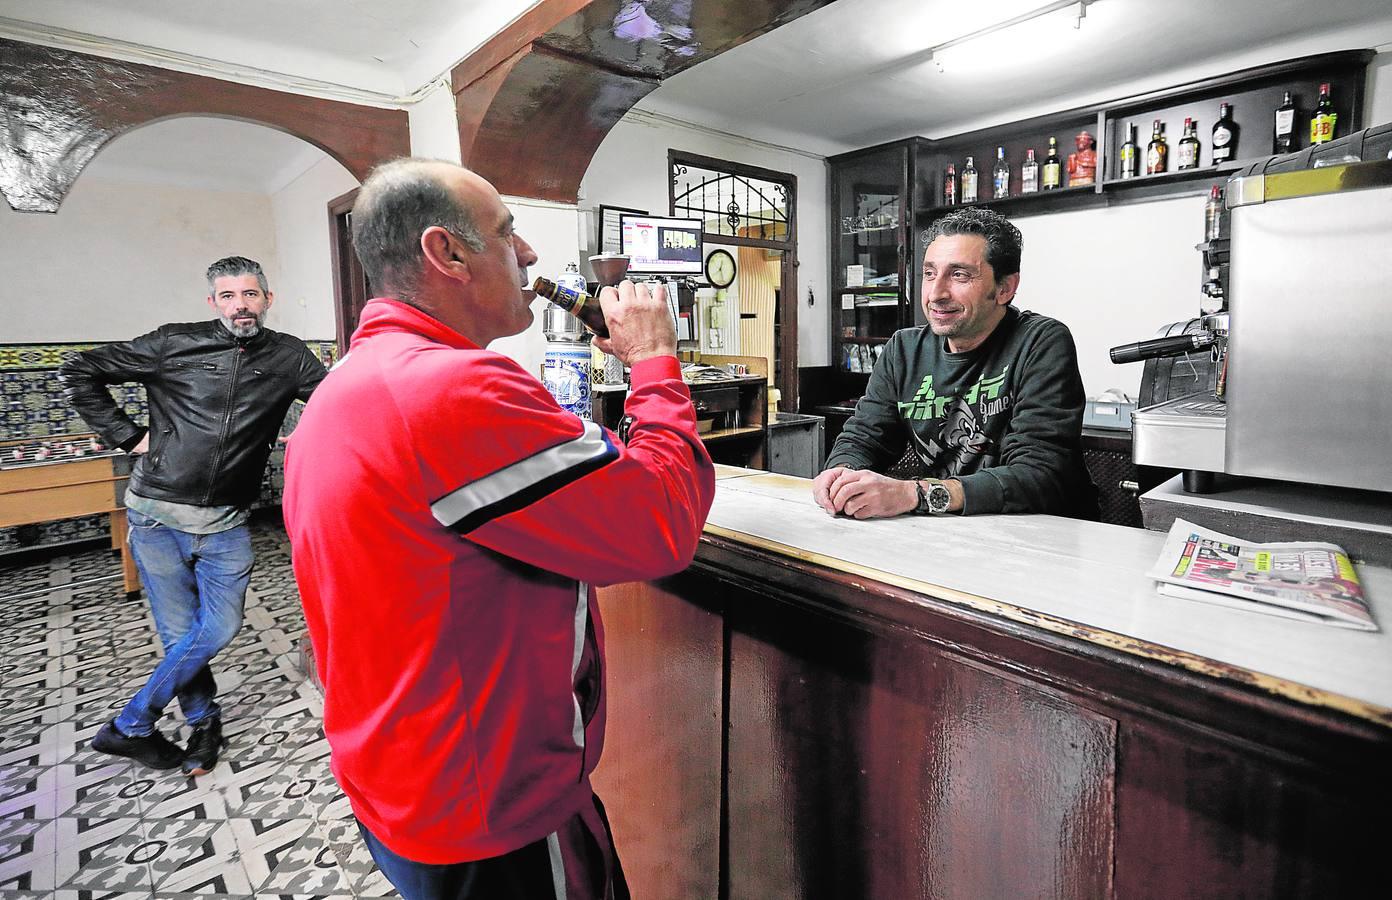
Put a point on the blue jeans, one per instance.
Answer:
(196, 584)
(575, 862)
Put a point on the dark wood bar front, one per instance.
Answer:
(781, 726)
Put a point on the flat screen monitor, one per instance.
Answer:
(661, 246)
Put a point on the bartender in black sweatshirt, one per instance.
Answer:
(988, 398)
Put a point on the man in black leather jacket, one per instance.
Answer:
(217, 393)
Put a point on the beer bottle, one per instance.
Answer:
(580, 305)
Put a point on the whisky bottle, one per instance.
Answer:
(1029, 174)
(969, 194)
(1224, 136)
(1284, 141)
(1157, 156)
(1189, 146)
(1130, 153)
(950, 185)
(579, 304)
(1324, 120)
(1053, 171)
(1000, 176)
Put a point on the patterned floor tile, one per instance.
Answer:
(195, 856)
(28, 853)
(288, 856)
(102, 855)
(288, 791)
(181, 797)
(353, 856)
(76, 824)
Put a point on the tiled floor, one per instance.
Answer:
(76, 824)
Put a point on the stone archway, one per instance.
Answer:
(58, 108)
(536, 101)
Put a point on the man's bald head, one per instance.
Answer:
(399, 201)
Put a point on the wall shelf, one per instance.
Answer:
(905, 178)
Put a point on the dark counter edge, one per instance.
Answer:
(1233, 708)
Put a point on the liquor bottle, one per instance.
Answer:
(1000, 176)
(579, 304)
(1323, 122)
(1284, 141)
(1224, 136)
(969, 194)
(950, 185)
(1029, 174)
(1053, 171)
(1213, 214)
(1189, 146)
(1130, 153)
(1157, 155)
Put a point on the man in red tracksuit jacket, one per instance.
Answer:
(442, 511)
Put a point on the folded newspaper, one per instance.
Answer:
(1310, 581)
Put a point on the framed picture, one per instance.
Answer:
(609, 226)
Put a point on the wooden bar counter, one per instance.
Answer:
(980, 707)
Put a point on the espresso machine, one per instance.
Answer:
(1297, 329)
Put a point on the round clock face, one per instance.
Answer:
(720, 268)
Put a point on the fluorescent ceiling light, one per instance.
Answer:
(1022, 40)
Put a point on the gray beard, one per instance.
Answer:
(241, 331)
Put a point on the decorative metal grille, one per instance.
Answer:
(731, 204)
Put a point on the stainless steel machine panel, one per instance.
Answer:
(1309, 383)
(1184, 433)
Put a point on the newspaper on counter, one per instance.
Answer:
(1309, 581)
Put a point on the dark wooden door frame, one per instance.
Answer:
(351, 289)
(787, 348)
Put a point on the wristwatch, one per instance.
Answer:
(932, 500)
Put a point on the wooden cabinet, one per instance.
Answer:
(845, 737)
(732, 413)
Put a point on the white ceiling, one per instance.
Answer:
(838, 78)
(848, 76)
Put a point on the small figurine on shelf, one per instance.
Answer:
(1082, 165)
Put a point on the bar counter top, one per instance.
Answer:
(1083, 580)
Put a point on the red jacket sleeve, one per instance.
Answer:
(530, 480)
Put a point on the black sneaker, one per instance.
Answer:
(203, 747)
(153, 750)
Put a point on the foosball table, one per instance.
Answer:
(62, 477)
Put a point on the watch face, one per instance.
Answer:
(938, 498)
(720, 268)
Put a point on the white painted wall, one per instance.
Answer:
(553, 230)
(435, 125)
(1113, 276)
(303, 287)
(630, 169)
(121, 258)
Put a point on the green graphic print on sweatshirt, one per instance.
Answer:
(1004, 419)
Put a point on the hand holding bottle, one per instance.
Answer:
(640, 323)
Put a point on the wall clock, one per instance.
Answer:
(720, 268)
